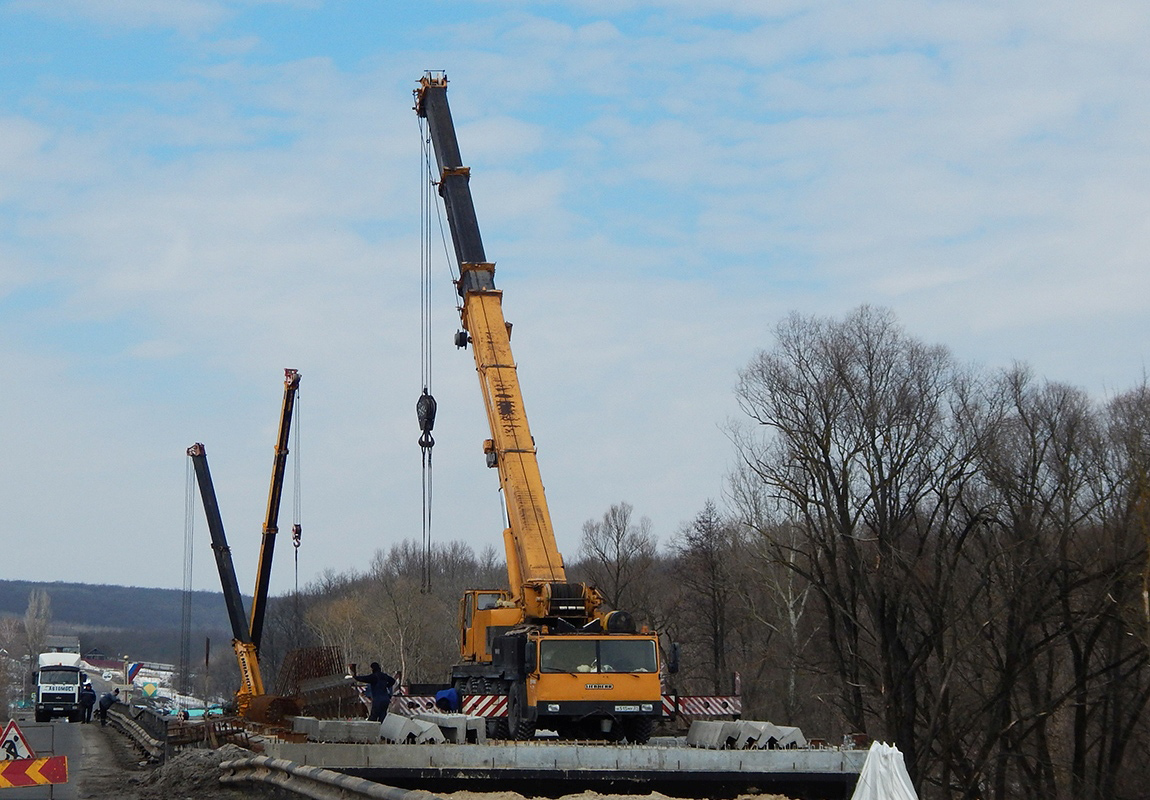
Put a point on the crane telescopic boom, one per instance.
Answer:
(251, 684)
(271, 519)
(533, 560)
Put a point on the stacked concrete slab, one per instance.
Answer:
(458, 728)
(743, 735)
(713, 734)
(408, 730)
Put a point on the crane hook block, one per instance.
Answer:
(425, 411)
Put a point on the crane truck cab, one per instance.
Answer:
(589, 686)
(58, 682)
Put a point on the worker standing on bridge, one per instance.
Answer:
(381, 687)
(87, 700)
(107, 701)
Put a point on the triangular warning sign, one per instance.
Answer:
(13, 745)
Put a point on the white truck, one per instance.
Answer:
(58, 682)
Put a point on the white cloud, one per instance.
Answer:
(187, 16)
(657, 192)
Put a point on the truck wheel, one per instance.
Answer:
(40, 717)
(519, 722)
(497, 728)
(638, 731)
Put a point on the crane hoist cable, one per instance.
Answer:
(431, 219)
(186, 599)
(425, 406)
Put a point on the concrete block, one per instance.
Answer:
(427, 732)
(337, 730)
(731, 733)
(394, 728)
(328, 730)
(706, 734)
(749, 734)
(458, 728)
(769, 735)
(779, 737)
(363, 731)
(792, 737)
(306, 725)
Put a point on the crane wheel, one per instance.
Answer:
(519, 722)
(638, 731)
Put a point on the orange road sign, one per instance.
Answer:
(33, 771)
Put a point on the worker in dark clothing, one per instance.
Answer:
(106, 702)
(381, 685)
(87, 700)
(448, 700)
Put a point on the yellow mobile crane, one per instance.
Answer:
(563, 661)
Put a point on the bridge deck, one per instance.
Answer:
(543, 768)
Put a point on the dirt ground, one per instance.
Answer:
(589, 796)
(113, 768)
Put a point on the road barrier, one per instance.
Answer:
(139, 726)
(314, 782)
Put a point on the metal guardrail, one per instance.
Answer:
(314, 782)
(139, 728)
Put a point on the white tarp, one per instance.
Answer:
(884, 776)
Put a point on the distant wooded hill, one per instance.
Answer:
(142, 622)
(103, 606)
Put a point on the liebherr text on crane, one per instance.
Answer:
(563, 661)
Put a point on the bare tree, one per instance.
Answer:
(388, 616)
(705, 557)
(617, 555)
(776, 597)
(37, 618)
(11, 634)
(862, 452)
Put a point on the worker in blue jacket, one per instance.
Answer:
(87, 700)
(448, 700)
(107, 701)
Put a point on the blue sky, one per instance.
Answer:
(195, 194)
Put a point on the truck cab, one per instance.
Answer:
(58, 682)
(590, 686)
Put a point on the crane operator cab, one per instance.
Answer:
(485, 614)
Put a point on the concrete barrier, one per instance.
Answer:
(337, 730)
(458, 728)
(305, 725)
(744, 735)
(707, 734)
(789, 736)
(408, 730)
